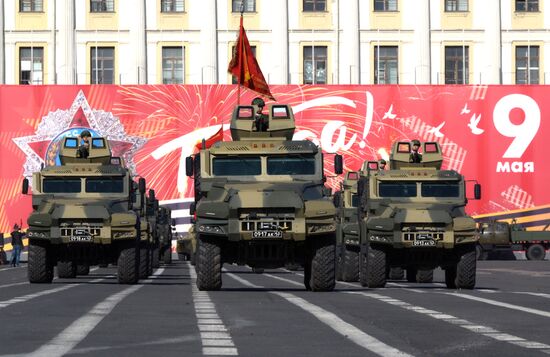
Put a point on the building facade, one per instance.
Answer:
(295, 41)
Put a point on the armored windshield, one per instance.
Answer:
(237, 166)
(440, 189)
(397, 189)
(297, 165)
(61, 185)
(354, 200)
(105, 185)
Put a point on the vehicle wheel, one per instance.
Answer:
(307, 274)
(83, 269)
(363, 273)
(450, 277)
(323, 264)
(339, 265)
(397, 273)
(183, 257)
(149, 261)
(40, 266)
(258, 270)
(167, 256)
(480, 253)
(209, 264)
(466, 270)
(156, 259)
(66, 270)
(292, 266)
(411, 275)
(375, 267)
(350, 271)
(193, 259)
(535, 252)
(126, 266)
(424, 276)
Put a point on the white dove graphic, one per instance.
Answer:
(465, 110)
(474, 121)
(389, 114)
(436, 130)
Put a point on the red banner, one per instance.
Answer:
(492, 134)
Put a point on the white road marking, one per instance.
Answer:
(71, 336)
(470, 326)
(547, 296)
(14, 284)
(342, 327)
(216, 340)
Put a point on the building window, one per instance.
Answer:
(31, 65)
(171, 6)
(456, 5)
(315, 5)
(253, 48)
(30, 5)
(172, 65)
(385, 65)
(457, 65)
(385, 5)
(103, 65)
(527, 5)
(102, 5)
(527, 65)
(249, 5)
(315, 64)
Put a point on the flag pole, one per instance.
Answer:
(239, 48)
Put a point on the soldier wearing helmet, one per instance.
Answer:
(381, 164)
(260, 119)
(84, 141)
(415, 157)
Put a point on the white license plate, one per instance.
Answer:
(424, 243)
(82, 238)
(267, 234)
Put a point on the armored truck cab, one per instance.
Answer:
(413, 216)
(261, 201)
(83, 214)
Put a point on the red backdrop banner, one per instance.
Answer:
(493, 134)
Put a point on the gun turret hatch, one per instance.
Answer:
(400, 157)
(98, 151)
(247, 121)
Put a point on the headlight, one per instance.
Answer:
(210, 229)
(36, 234)
(124, 234)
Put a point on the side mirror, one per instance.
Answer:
(192, 208)
(189, 166)
(141, 185)
(477, 191)
(338, 164)
(25, 188)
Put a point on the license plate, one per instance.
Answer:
(82, 238)
(267, 234)
(424, 243)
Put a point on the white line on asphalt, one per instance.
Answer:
(502, 304)
(337, 324)
(479, 329)
(547, 296)
(14, 284)
(216, 340)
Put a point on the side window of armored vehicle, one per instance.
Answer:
(105, 185)
(237, 166)
(354, 200)
(430, 148)
(71, 143)
(245, 113)
(61, 185)
(313, 193)
(279, 112)
(403, 148)
(440, 189)
(291, 165)
(98, 143)
(397, 189)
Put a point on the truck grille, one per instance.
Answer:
(266, 225)
(266, 219)
(422, 235)
(70, 229)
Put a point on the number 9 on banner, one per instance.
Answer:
(522, 133)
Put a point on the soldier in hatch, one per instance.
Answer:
(415, 157)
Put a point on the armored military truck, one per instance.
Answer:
(186, 246)
(85, 212)
(165, 231)
(347, 229)
(261, 201)
(413, 217)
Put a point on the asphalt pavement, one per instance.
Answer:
(270, 314)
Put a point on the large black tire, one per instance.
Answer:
(375, 269)
(83, 269)
(411, 275)
(40, 266)
(156, 258)
(363, 270)
(397, 273)
(323, 264)
(258, 270)
(150, 262)
(350, 266)
(167, 256)
(209, 265)
(480, 253)
(339, 264)
(466, 270)
(535, 252)
(144, 261)
(450, 277)
(66, 270)
(307, 274)
(126, 266)
(425, 276)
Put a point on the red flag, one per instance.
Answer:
(245, 68)
(218, 136)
